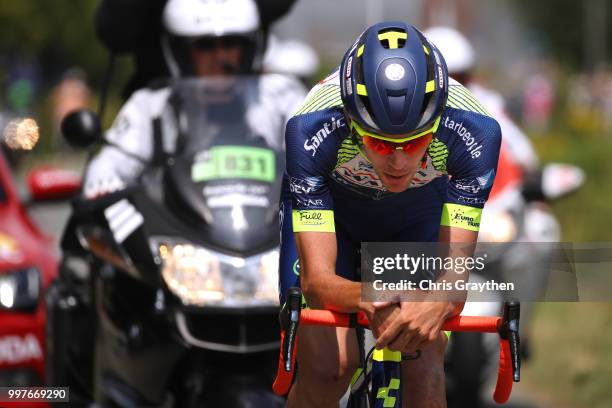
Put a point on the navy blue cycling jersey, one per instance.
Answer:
(323, 158)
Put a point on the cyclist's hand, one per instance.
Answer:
(416, 323)
(382, 317)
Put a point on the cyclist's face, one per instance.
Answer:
(216, 56)
(397, 168)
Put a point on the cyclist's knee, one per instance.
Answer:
(328, 362)
(436, 347)
(330, 370)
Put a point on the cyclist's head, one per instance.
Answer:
(212, 37)
(457, 50)
(394, 82)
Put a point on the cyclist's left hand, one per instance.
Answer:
(416, 323)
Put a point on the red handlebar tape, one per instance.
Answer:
(482, 324)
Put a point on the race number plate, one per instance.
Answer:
(234, 162)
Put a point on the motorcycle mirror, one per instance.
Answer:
(82, 128)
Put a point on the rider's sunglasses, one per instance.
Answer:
(209, 43)
(385, 145)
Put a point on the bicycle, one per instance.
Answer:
(374, 389)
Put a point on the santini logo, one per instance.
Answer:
(314, 142)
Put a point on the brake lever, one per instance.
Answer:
(509, 330)
(289, 320)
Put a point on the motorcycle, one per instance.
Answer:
(171, 283)
(516, 213)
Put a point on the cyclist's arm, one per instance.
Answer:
(312, 214)
(322, 288)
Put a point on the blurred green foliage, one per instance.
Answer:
(572, 363)
(560, 26)
(58, 33)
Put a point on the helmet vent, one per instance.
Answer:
(392, 37)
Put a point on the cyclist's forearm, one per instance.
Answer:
(332, 292)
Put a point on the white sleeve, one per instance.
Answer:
(111, 170)
(513, 137)
(518, 142)
(280, 96)
(130, 146)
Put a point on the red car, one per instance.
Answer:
(27, 266)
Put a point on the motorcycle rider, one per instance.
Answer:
(133, 26)
(202, 38)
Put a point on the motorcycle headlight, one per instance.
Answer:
(202, 277)
(20, 290)
(497, 226)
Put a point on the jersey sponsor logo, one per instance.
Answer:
(473, 147)
(313, 220)
(307, 202)
(18, 349)
(458, 218)
(476, 184)
(328, 128)
(461, 216)
(471, 200)
(305, 186)
(486, 180)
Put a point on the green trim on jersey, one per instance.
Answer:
(459, 97)
(326, 97)
(439, 154)
(347, 151)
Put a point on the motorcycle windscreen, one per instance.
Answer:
(226, 174)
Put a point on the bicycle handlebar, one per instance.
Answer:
(507, 327)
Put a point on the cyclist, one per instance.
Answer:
(203, 38)
(386, 148)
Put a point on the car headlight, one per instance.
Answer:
(20, 290)
(202, 277)
(497, 226)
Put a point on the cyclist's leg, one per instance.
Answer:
(423, 383)
(327, 357)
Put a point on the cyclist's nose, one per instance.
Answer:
(399, 160)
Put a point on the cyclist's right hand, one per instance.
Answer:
(380, 315)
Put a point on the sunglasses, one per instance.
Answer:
(209, 43)
(385, 145)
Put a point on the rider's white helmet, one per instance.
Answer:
(290, 57)
(454, 46)
(186, 20)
